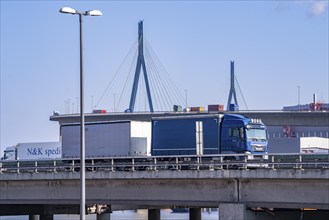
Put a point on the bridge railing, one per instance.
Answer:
(179, 162)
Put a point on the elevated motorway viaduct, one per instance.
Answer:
(230, 190)
(301, 124)
(270, 118)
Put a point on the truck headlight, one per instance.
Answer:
(249, 155)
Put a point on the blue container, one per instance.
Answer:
(177, 135)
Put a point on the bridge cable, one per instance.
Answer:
(101, 99)
(236, 79)
(158, 77)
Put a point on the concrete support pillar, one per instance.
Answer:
(103, 216)
(154, 214)
(33, 217)
(232, 211)
(46, 217)
(195, 213)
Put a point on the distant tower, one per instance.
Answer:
(140, 64)
(232, 91)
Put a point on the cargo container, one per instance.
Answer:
(215, 108)
(107, 139)
(99, 111)
(197, 109)
(209, 134)
(33, 151)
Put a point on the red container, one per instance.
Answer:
(215, 108)
(99, 111)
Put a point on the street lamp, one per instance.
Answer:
(185, 98)
(68, 10)
(298, 98)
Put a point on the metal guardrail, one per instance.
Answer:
(179, 162)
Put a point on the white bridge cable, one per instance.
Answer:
(153, 82)
(236, 79)
(161, 89)
(176, 92)
(129, 79)
(164, 78)
(125, 88)
(157, 87)
(114, 80)
(162, 93)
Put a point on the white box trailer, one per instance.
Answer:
(107, 139)
(33, 151)
(299, 145)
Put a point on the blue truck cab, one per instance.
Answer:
(209, 134)
(240, 134)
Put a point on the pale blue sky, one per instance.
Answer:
(276, 46)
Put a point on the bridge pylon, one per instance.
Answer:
(232, 93)
(140, 64)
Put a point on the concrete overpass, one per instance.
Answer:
(270, 118)
(230, 190)
(300, 124)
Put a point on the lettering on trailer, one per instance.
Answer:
(40, 152)
(34, 151)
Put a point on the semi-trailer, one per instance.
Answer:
(107, 139)
(209, 134)
(33, 151)
(195, 134)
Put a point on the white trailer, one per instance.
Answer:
(33, 151)
(107, 139)
(299, 145)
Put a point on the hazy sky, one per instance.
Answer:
(276, 46)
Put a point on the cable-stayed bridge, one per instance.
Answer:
(141, 83)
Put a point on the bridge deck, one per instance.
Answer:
(287, 188)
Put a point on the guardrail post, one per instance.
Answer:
(92, 165)
(55, 166)
(72, 166)
(211, 166)
(273, 161)
(112, 165)
(36, 166)
(301, 162)
(245, 162)
(198, 162)
(177, 168)
(221, 160)
(133, 164)
(155, 164)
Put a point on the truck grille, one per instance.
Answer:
(257, 148)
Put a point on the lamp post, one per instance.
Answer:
(114, 102)
(185, 98)
(298, 87)
(68, 10)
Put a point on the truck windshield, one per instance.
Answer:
(254, 134)
(8, 155)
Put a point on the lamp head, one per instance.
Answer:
(94, 13)
(68, 10)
